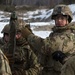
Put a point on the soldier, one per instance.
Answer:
(24, 61)
(5, 32)
(58, 45)
(5, 39)
(4, 65)
(5, 68)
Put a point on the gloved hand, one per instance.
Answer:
(58, 56)
(25, 32)
(28, 26)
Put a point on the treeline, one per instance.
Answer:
(35, 2)
(12, 5)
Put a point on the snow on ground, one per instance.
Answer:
(39, 23)
(44, 13)
(42, 34)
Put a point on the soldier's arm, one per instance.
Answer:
(36, 43)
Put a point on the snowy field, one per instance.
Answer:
(44, 15)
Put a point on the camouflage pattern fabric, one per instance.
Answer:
(4, 65)
(64, 10)
(62, 38)
(25, 59)
(69, 67)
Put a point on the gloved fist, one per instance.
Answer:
(25, 32)
(58, 56)
(28, 26)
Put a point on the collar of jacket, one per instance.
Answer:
(70, 26)
(22, 41)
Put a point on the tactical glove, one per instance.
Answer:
(58, 56)
(25, 32)
(28, 26)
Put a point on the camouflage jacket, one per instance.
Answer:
(25, 61)
(62, 38)
(68, 68)
(4, 65)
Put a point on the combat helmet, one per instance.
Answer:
(6, 29)
(64, 10)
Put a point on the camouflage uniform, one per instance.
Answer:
(69, 67)
(25, 60)
(62, 39)
(4, 65)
